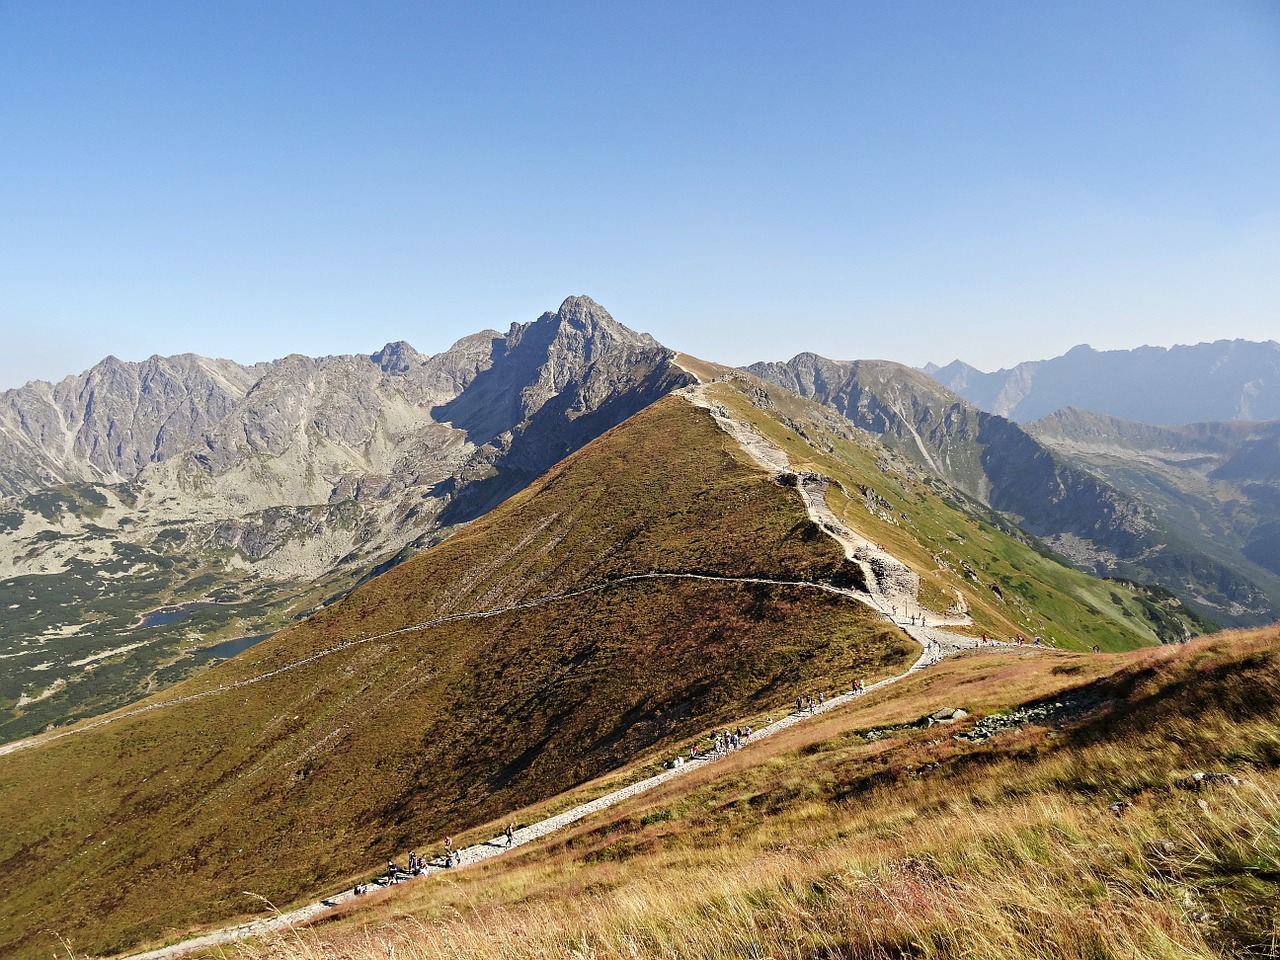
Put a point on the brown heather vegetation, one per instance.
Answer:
(159, 821)
(156, 824)
(830, 841)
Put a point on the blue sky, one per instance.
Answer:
(915, 181)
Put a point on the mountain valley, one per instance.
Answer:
(386, 599)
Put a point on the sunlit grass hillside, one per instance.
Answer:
(867, 834)
(341, 750)
(510, 663)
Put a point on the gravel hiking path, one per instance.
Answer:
(938, 643)
(893, 591)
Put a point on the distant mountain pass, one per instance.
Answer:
(1224, 380)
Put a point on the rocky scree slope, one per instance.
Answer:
(993, 460)
(292, 482)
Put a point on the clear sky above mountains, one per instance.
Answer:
(915, 181)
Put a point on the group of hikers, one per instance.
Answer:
(418, 865)
(723, 742)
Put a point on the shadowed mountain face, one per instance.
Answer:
(1224, 380)
(992, 459)
(242, 497)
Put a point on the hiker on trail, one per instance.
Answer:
(392, 869)
(511, 832)
(799, 705)
(821, 698)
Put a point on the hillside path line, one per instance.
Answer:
(937, 643)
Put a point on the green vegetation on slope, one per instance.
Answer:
(960, 548)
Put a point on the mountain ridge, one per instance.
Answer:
(324, 470)
(1221, 380)
(995, 461)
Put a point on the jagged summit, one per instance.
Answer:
(582, 320)
(397, 358)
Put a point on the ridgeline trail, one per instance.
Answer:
(888, 589)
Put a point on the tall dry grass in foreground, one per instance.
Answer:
(1037, 878)
(857, 849)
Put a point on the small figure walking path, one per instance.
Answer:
(937, 643)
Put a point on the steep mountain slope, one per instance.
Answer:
(322, 470)
(1217, 484)
(1223, 380)
(109, 422)
(995, 461)
(655, 583)
(1113, 807)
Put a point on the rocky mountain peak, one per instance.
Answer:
(583, 315)
(397, 358)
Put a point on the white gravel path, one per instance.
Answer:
(938, 643)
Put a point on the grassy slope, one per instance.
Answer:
(862, 835)
(917, 519)
(160, 821)
(290, 784)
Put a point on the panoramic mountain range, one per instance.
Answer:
(1223, 380)
(351, 605)
(162, 516)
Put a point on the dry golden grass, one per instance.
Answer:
(822, 843)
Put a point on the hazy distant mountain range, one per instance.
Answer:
(1223, 380)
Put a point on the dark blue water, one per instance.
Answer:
(164, 617)
(228, 648)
